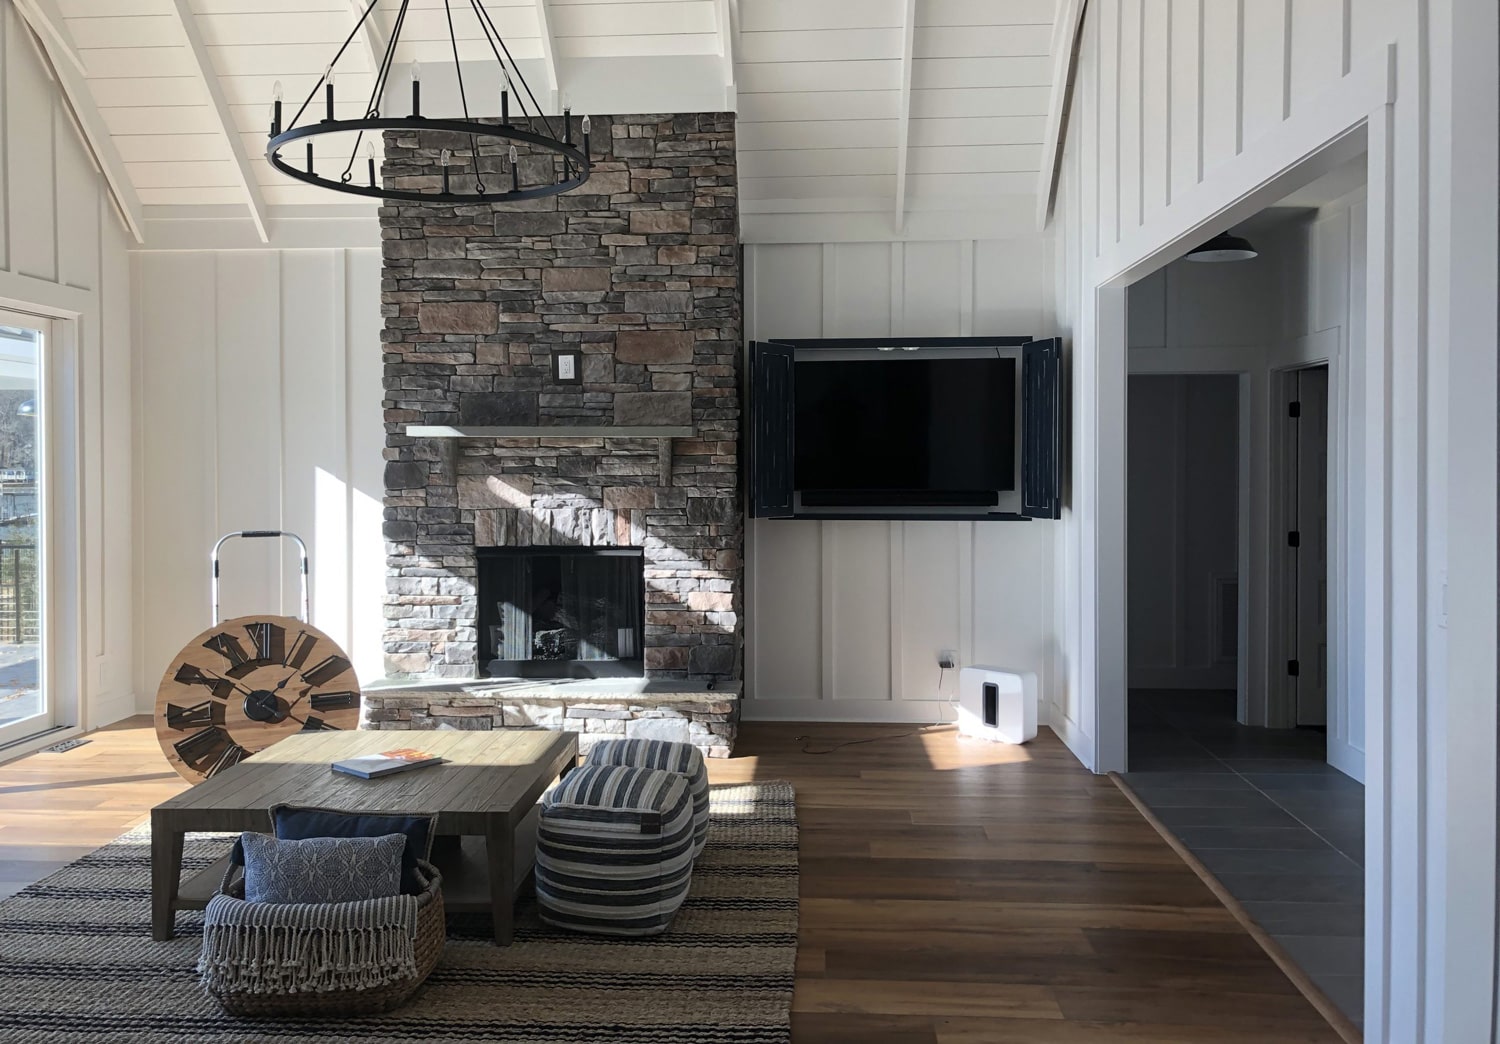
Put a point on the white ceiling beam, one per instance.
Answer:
(549, 55)
(728, 17)
(371, 33)
(47, 22)
(903, 120)
(1065, 33)
(227, 129)
(91, 126)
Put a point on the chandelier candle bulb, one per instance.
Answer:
(416, 88)
(370, 159)
(328, 92)
(586, 136)
(515, 170)
(309, 158)
(276, 108)
(444, 158)
(567, 126)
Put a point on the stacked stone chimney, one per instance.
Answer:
(639, 270)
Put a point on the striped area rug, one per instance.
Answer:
(77, 963)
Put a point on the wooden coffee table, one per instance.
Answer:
(485, 797)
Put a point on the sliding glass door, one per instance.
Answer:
(25, 704)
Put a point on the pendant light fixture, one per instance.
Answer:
(462, 180)
(1224, 247)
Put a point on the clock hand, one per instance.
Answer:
(299, 699)
(231, 681)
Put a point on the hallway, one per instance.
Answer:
(1281, 829)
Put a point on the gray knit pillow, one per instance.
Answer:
(322, 869)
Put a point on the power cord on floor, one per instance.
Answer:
(806, 741)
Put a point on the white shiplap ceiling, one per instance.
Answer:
(893, 111)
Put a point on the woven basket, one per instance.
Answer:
(432, 934)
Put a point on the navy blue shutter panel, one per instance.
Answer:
(1042, 421)
(772, 404)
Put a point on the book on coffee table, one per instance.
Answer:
(373, 766)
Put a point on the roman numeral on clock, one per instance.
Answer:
(325, 671)
(269, 640)
(199, 715)
(229, 647)
(232, 755)
(220, 688)
(302, 647)
(327, 701)
(208, 748)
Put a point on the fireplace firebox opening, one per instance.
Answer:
(562, 612)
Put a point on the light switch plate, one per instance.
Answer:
(567, 366)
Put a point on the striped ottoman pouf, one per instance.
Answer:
(681, 758)
(614, 851)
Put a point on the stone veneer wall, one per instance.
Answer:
(708, 720)
(640, 270)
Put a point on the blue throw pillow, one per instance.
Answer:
(296, 822)
(321, 869)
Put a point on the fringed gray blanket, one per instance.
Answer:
(296, 948)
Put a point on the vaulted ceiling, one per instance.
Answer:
(868, 116)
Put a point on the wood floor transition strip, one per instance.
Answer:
(1340, 1022)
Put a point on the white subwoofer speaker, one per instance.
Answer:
(997, 704)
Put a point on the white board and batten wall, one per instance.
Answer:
(259, 388)
(1187, 119)
(846, 620)
(63, 255)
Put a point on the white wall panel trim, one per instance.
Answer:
(1256, 178)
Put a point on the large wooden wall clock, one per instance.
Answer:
(245, 683)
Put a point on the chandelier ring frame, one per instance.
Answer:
(578, 157)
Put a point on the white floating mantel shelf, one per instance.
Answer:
(552, 431)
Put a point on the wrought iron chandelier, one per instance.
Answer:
(460, 184)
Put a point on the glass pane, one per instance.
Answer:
(21, 692)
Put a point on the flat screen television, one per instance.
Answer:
(904, 430)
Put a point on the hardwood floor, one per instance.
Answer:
(953, 891)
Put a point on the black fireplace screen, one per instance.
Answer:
(561, 612)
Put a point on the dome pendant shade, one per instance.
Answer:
(464, 178)
(1224, 247)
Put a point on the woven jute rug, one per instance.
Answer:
(77, 962)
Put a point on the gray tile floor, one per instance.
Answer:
(1281, 829)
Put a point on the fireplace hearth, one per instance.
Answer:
(561, 612)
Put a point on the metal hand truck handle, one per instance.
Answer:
(251, 534)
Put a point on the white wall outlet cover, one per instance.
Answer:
(567, 367)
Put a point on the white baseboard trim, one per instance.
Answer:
(110, 709)
(1347, 759)
(916, 712)
(1072, 735)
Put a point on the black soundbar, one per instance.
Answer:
(879, 498)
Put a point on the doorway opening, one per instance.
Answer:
(1243, 399)
(26, 704)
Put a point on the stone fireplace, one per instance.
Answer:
(639, 273)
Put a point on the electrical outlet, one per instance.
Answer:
(567, 366)
(947, 659)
